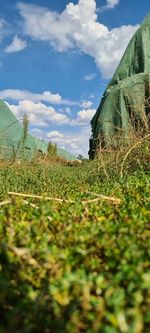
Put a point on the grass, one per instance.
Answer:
(75, 267)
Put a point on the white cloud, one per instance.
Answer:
(85, 116)
(18, 95)
(72, 141)
(86, 104)
(89, 77)
(38, 132)
(112, 3)
(46, 96)
(17, 45)
(54, 135)
(39, 114)
(78, 26)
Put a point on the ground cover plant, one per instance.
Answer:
(81, 263)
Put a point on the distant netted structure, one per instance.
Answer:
(15, 140)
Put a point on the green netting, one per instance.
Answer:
(125, 103)
(11, 138)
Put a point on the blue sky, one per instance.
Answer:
(56, 57)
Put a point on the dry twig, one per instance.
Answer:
(30, 204)
(40, 197)
(103, 197)
(5, 202)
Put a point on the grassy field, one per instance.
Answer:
(77, 265)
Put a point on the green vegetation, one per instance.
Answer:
(75, 266)
(52, 149)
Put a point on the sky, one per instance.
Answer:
(56, 59)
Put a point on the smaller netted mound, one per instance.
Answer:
(15, 142)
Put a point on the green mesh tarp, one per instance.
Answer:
(125, 104)
(12, 144)
(11, 135)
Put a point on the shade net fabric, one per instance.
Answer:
(125, 105)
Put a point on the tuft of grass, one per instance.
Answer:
(126, 158)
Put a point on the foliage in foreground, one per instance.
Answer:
(74, 267)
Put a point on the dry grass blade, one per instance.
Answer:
(103, 197)
(30, 204)
(39, 197)
(5, 202)
(130, 150)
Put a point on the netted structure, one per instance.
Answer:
(125, 105)
(16, 143)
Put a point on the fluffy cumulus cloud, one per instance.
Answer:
(54, 135)
(38, 132)
(39, 114)
(46, 96)
(17, 45)
(19, 95)
(78, 26)
(86, 104)
(84, 116)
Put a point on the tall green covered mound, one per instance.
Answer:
(125, 104)
(14, 141)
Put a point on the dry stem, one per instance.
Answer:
(130, 150)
